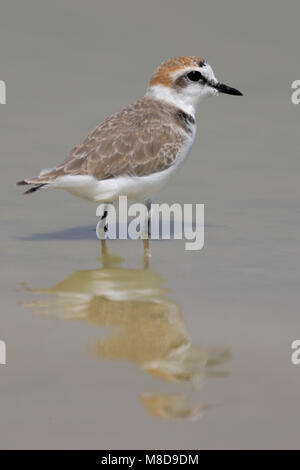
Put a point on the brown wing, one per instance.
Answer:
(132, 142)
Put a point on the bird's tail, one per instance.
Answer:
(36, 183)
(46, 176)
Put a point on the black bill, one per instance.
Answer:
(227, 89)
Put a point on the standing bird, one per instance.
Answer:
(136, 151)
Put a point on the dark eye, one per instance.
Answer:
(195, 76)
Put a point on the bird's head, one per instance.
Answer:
(183, 81)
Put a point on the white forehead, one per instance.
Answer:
(205, 70)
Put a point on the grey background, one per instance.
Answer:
(67, 66)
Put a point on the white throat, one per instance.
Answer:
(185, 102)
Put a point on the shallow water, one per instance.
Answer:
(193, 352)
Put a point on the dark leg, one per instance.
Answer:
(103, 218)
(148, 205)
(146, 236)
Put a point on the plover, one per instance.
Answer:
(137, 150)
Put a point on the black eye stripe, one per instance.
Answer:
(195, 76)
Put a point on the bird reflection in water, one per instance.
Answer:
(148, 329)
